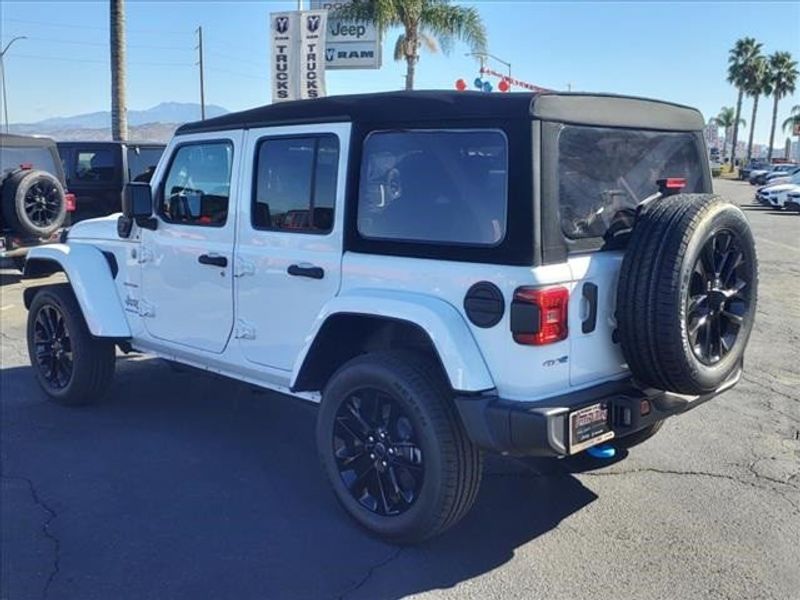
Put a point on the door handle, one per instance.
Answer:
(212, 260)
(590, 295)
(307, 271)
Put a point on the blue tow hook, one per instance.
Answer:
(602, 451)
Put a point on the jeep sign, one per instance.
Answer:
(349, 45)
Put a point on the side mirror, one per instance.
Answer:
(137, 201)
(137, 206)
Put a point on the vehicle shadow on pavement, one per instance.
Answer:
(187, 485)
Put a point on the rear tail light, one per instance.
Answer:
(69, 201)
(671, 185)
(539, 315)
(26, 166)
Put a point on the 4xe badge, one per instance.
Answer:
(556, 361)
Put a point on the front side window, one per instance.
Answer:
(295, 186)
(197, 186)
(445, 186)
(603, 173)
(96, 166)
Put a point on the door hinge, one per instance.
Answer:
(146, 309)
(243, 267)
(244, 330)
(145, 255)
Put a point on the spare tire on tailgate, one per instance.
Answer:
(33, 203)
(687, 294)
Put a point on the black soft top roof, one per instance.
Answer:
(108, 143)
(25, 141)
(431, 106)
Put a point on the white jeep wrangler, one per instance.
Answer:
(443, 272)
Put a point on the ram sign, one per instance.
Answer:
(349, 45)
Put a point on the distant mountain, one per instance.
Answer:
(166, 112)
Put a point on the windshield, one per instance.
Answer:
(605, 172)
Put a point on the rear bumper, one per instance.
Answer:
(541, 428)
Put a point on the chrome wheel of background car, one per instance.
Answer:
(52, 346)
(377, 453)
(718, 297)
(42, 203)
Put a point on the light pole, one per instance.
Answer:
(482, 56)
(3, 69)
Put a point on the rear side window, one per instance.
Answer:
(94, 165)
(11, 158)
(445, 186)
(142, 163)
(603, 173)
(197, 186)
(295, 184)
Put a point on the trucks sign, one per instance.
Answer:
(349, 45)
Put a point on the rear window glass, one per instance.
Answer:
(142, 162)
(434, 186)
(40, 158)
(94, 165)
(605, 172)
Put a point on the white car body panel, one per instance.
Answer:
(277, 307)
(187, 302)
(447, 329)
(90, 277)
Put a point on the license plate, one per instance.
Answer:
(588, 427)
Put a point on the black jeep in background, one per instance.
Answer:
(35, 205)
(98, 171)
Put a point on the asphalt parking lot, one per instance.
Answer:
(185, 485)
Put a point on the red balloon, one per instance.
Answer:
(503, 85)
(461, 85)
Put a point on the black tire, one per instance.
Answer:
(87, 368)
(34, 203)
(451, 464)
(641, 436)
(687, 247)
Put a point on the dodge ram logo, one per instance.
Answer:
(282, 24)
(312, 23)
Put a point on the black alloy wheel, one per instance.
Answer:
(377, 452)
(53, 346)
(43, 203)
(718, 298)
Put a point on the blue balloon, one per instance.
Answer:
(478, 83)
(487, 87)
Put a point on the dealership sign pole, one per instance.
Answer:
(298, 54)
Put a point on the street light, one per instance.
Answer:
(482, 56)
(3, 70)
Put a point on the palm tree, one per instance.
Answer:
(740, 64)
(424, 22)
(726, 119)
(783, 75)
(793, 120)
(759, 82)
(119, 114)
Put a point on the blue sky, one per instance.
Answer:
(671, 50)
